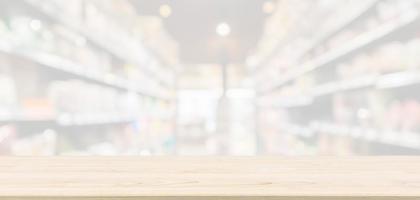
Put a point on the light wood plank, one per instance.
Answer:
(207, 178)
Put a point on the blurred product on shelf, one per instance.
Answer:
(393, 57)
(67, 88)
(131, 77)
(41, 144)
(350, 90)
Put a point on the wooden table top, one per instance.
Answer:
(209, 178)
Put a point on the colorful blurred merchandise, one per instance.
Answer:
(346, 89)
(68, 90)
(275, 77)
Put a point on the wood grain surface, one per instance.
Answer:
(176, 178)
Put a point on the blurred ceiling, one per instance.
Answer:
(193, 25)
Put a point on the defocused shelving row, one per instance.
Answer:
(352, 68)
(76, 78)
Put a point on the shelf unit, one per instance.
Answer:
(69, 67)
(311, 93)
(148, 124)
(349, 19)
(395, 80)
(366, 8)
(409, 140)
(131, 53)
(68, 120)
(356, 45)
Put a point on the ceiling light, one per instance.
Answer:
(223, 29)
(35, 24)
(165, 10)
(268, 7)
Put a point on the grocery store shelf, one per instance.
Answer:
(358, 44)
(350, 19)
(346, 85)
(66, 66)
(397, 80)
(326, 89)
(69, 120)
(300, 101)
(130, 54)
(17, 118)
(91, 120)
(387, 81)
(209, 178)
(395, 138)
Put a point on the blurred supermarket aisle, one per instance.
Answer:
(347, 88)
(210, 77)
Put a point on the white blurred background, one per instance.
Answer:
(209, 77)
